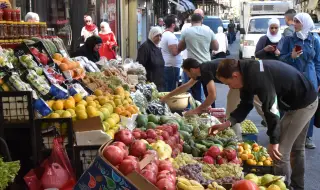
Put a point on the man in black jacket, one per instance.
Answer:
(276, 84)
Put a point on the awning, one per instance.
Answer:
(183, 5)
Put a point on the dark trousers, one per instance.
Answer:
(171, 77)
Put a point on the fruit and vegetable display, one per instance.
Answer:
(165, 139)
(39, 82)
(71, 69)
(8, 172)
(126, 153)
(248, 127)
(40, 56)
(219, 113)
(253, 154)
(267, 181)
(7, 58)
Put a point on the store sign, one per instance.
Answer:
(112, 14)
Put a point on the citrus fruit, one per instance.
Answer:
(98, 92)
(92, 103)
(111, 122)
(82, 115)
(105, 112)
(77, 97)
(116, 117)
(244, 157)
(69, 104)
(89, 99)
(267, 163)
(58, 105)
(83, 102)
(54, 115)
(66, 114)
(99, 113)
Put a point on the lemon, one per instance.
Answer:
(58, 105)
(66, 114)
(89, 99)
(71, 111)
(116, 117)
(83, 102)
(54, 115)
(103, 100)
(50, 103)
(80, 107)
(69, 104)
(82, 115)
(112, 123)
(98, 92)
(109, 107)
(77, 97)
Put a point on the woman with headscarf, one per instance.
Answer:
(90, 49)
(109, 42)
(150, 56)
(302, 52)
(89, 29)
(266, 47)
(223, 44)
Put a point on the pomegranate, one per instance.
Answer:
(165, 184)
(154, 153)
(136, 135)
(235, 161)
(214, 151)
(149, 175)
(168, 129)
(244, 184)
(125, 136)
(129, 165)
(153, 167)
(143, 135)
(151, 133)
(159, 138)
(34, 51)
(165, 174)
(170, 143)
(138, 148)
(176, 138)
(174, 128)
(122, 146)
(113, 154)
(150, 141)
(230, 154)
(208, 159)
(132, 158)
(180, 147)
(43, 58)
(166, 165)
(221, 160)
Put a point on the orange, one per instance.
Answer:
(267, 163)
(250, 156)
(64, 67)
(251, 162)
(126, 114)
(256, 149)
(118, 110)
(119, 90)
(58, 105)
(65, 60)
(240, 149)
(255, 145)
(57, 56)
(244, 157)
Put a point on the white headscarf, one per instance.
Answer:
(154, 31)
(222, 40)
(106, 29)
(274, 38)
(307, 25)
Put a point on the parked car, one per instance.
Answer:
(213, 22)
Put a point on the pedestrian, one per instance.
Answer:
(267, 45)
(198, 40)
(150, 56)
(223, 44)
(302, 52)
(89, 29)
(90, 49)
(231, 32)
(206, 74)
(161, 24)
(278, 85)
(288, 16)
(171, 55)
(109, 42)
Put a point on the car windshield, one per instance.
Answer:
(213, 24)
(260, 25)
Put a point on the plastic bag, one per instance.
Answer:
(139, 100)
(54, 172)
(103, 62)
(158, 108)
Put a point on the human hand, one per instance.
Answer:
(192, 112)
(273, 150)
(295, 53)
(269, 48)
(277, 52)
(164, 99)
(220, 127)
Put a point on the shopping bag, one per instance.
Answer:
(54, 172)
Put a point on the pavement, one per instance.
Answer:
(312, 175)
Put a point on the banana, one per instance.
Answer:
(182, 186)
(195, 183)
(184, 181)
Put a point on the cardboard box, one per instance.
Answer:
(103, 175)
(90, 132)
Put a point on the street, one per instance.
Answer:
(312, 156)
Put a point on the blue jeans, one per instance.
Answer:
(171, 77)
(310, 130)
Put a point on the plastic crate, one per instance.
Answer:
(258, 170)
(16, 108)
(250, 137)
(46, 130)
(83, 156)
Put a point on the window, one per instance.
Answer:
(260, 25)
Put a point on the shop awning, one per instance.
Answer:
(183, 5)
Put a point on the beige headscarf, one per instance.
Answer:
(154, 31)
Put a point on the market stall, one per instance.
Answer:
(101, 125)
